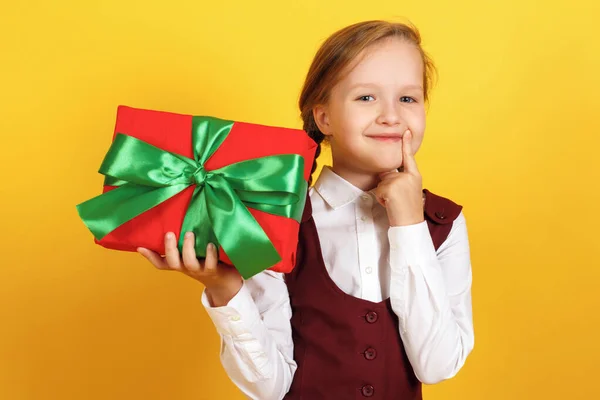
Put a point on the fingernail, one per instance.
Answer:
(188, 235)
(170, 235)
(210, 246)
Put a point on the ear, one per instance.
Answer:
(321, 116)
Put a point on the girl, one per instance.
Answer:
(379, 300)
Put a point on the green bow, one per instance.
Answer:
(147, 176)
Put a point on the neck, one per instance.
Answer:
(363, 180)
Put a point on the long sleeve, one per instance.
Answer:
(256, 338)
(431, 295)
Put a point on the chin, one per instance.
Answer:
(385, 165)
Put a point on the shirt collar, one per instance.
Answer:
(335, 190)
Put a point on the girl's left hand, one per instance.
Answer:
(401, 193)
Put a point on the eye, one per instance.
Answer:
(406, 99)
(366, 98)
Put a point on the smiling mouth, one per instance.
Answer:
(386, 138)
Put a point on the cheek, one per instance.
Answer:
(417, 126)
(417, 139)
(417, 123)
(349, 122)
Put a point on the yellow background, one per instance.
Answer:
(512, 135)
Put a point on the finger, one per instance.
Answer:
(409, 163)
(382, 201)
(154, 258)
(210, 264)
(190, 262)
(388, 174)
(381, 195)
(171, 252)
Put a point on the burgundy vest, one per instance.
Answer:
(346, 347)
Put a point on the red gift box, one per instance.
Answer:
(173, 133)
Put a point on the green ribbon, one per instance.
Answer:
(147, 176)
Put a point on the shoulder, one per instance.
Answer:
(445, 219)
(439, 209)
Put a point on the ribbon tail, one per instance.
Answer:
(197, 220)
(106, 212)
(239, 234)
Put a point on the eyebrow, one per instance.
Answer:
(368, 85)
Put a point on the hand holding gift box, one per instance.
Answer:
(240, 186)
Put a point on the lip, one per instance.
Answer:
(386, 138)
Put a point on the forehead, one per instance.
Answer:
(392, 61)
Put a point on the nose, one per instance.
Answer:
(389, 114)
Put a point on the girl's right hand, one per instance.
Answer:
(222, 281)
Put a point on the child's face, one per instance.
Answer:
(371, 108)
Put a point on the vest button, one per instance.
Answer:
(371, 317)
(368, 390)
(370, 353)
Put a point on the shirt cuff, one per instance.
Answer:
(237, 317)
(410, 244)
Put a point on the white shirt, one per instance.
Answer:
(430, 292)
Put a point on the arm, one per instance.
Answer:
(431, 295)
(256, 339)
